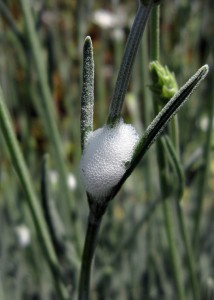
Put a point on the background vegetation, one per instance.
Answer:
(132, 259)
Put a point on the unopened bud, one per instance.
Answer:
(164, 83)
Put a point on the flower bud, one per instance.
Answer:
(164, 82)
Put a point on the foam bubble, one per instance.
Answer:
(104, 158)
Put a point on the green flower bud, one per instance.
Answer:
(164, 82)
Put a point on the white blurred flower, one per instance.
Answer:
(107, 19)
(210, 282)
(204, 123)
(104, 18)
(23, 235)
(53, 177)
(118, 34)
(71, 181)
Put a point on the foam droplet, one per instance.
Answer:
(105, 158)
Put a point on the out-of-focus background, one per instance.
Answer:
(141, 269)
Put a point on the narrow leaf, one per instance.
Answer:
(87, 99)
(128, 60)
(169, 110)
(53, 221)
(21, 169)
(158, 124)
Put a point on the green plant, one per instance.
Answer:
(144, 250)
(98, 202)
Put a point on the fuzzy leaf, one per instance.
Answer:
(87, 98)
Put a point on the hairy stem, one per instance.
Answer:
(127, 61)
(88, 254)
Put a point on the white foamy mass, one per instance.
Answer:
(104, 158)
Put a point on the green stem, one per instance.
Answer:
(102, 106)
(2, 296)
(174, 134)
(167, 144)
(155, 33)
(31, 198)
(167, 209)
(146, 112)
(88, 254)
(182, 226)
(47, 210)
(204, 173)
(127, 61)
(188, 250)
(9, 19)
(163, 170)
(48, 108)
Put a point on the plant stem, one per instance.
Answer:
(204, 173)
(48, 109)
(88, 253)
(167, 211)
(182, 226)
(47, 210)
(146, 112)
(188, 250)
(101, 92)
(155, 33)
(176, 165)
(2, 296)
(163, 170)
(9, 19)
(127, 61)
(31, 198)
(174, 135)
